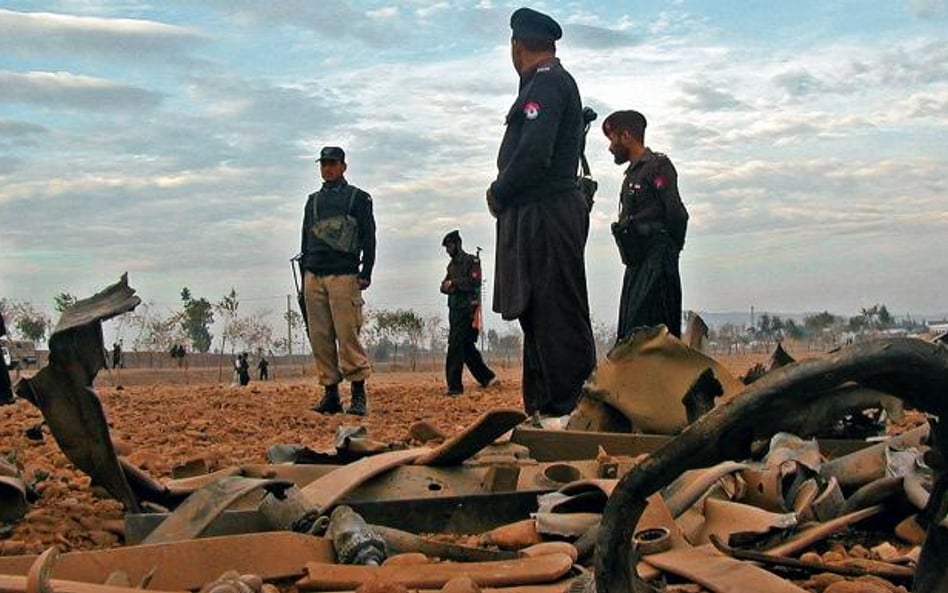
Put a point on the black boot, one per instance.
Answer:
(358, 406)
(329, 404)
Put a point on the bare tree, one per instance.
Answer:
(297, 328)
(254, 333)
(227, 308)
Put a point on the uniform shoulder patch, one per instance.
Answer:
(660, 170)
(531, 110)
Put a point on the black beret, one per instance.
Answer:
(527, 22)
(331, 153)
(452, 237)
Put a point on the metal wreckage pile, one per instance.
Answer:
(733, 502)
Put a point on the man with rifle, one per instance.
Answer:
(650, 232)
(336, 260)
(462, 284)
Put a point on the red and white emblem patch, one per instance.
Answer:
(531, 110)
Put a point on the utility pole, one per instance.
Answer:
(289, 328)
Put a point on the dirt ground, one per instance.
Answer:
(168, 417)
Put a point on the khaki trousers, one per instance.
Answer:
(334, 311)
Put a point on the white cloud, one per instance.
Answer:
(927, 105)
(74, 91)
(431, 10)
(385, 13)
(42, 33)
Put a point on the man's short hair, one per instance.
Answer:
(629, 121)
(536, 45)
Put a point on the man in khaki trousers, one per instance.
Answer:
(338, 253)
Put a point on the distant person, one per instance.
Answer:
(650, 232)
(243, 369)
(117, 362)
(178, 353)
(6, 389)
(462, 284)
(543, 221)
(263, 369)
(338, 253)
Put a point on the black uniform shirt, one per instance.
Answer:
(539, 155)
(321, 259)
(650, 198)
(464, 272)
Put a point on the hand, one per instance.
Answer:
(364, 283)
(492, 204)
(446, 286)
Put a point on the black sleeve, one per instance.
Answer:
(307, 221)
(367, 234)
(531, 158)
(676, 216)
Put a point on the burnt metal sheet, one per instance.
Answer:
(188, 564)
(569, 445)
(62, 389)
(200, 509)
(646, 377)
(450, 514)
(233, 522)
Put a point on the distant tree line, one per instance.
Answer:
(401, 336)
(824, 328)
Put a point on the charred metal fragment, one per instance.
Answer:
(910, 369)
(778, 358)
(874, 568)
(699, 400)
(62, 390)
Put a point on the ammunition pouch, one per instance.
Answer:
(628, 250)
(588, 186)
(339, 232)
(634, 239)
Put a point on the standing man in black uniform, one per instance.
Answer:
(462, 284)
(543, 221)
(338, 253)
(650, 232)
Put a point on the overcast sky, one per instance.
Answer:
(175, 140)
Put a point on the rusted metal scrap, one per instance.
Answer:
(187, 564)
(910, 369)
(644, 379)
(62, 390)
(504, 573)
